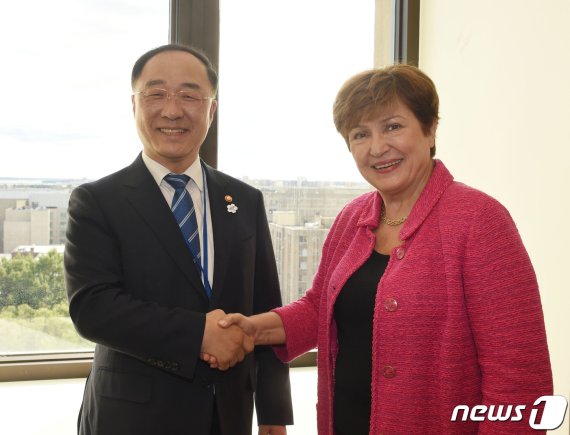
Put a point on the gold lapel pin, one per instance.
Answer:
(228, 198)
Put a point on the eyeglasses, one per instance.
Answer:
(157, 97)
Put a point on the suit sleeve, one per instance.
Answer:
(505, 313)
(273, 389)
(102, 309)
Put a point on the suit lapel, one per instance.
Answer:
(145, 196)
(223, 228)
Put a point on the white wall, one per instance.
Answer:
(502, 69)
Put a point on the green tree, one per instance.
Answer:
(49, 280)
(16, 278)
(37, 282)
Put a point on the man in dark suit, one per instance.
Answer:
(150, 301)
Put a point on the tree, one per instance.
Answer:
(49, 279)
(37, 282)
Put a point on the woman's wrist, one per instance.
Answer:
(269, 329)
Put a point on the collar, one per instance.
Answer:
(438, 182)
(158, 172)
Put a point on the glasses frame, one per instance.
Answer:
(174, 95)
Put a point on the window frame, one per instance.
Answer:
(197, 23)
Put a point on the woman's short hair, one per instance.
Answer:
(371, 91)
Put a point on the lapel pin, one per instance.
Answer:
(232, 208)
(228, 198)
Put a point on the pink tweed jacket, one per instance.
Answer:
(457, 319)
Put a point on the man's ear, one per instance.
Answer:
(213, 108)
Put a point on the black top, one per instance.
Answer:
(354, 312)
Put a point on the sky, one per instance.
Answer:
(66, 110)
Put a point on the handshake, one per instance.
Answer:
(228, 338)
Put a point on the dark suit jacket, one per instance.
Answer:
(134, 291)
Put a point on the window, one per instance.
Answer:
(65, 118)
(281, 65)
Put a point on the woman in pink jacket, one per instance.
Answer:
(425, 298)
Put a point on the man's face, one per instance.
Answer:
(172, 129)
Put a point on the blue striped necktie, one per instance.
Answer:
(185, 214)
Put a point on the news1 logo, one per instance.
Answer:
(552, 415)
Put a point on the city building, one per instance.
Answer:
(26, 226)
(300, 215)
(297, 254)
(299, 212)
(32, 216)
(5, 204)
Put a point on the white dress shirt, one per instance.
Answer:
(196, 187)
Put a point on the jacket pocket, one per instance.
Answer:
(123, 386)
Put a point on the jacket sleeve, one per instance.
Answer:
(273, 390)
(101, 308)
(505, 313)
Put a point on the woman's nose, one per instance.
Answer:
(378, 145)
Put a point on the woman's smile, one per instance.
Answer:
(387, 166)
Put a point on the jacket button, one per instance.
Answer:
(400, 253)
(388, 372)
(390, 304)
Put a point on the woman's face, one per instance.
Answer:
(392, 152)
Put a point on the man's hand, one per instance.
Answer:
(262, 329)
(230, 321)
(227, 345)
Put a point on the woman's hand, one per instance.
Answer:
(245, 323)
